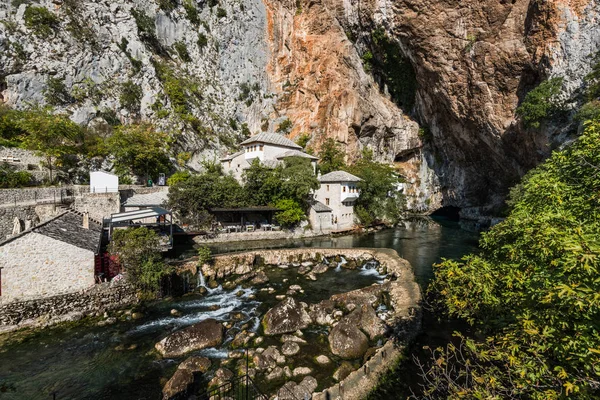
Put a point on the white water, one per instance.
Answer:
(339, 266)
(201, 282)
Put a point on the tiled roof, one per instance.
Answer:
(232, 156)
(272, 138)
(68, 228)
(350, 199)
(339, 176)
(297, 153)
(320, 207)
(148, 199)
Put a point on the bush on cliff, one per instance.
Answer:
(41, 21)
(540, 103)
(533, 293)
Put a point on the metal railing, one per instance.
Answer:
(240, 388)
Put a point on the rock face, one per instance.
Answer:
(287, 316)
(347, 341)
(181, 380)
(208, 333)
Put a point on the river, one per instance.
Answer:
(84, 361)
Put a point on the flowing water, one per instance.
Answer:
(117, 361)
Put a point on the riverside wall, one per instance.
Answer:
(67, 307)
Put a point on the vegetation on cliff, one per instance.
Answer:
(533, 293)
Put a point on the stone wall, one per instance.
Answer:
(99, 205)
(25, 195)
(72, 306)
(37, 266)
(25, 158)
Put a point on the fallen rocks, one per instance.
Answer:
(260, 278)
(367, 320)
(287, 316)
(347, 341)
(292, 338)
(208, 333)
(290, 348)
(301, 371)
(293, 391)
(323, 359)
(222, 376)
(183, 378)
(269, 358)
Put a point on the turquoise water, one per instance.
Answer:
(90, 362)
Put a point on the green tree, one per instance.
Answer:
(379, 199)
(179, 176)
(285, 126)
(138, 252)
(262, 185)
(52, 136)
(532, 294)
(303, 140)
(9, 178)
(291, 213)
(204, 255)
(41, 21)
(131, 96)
(298, 181)
(56, 93)
(10, 130)
(140, 149)
(331, 157)
(540, 103)
(193, 198)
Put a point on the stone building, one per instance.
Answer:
(338, 192)
(270, 148)
(55, 257)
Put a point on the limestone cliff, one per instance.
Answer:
(431, 85)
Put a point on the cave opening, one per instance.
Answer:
(449, 212)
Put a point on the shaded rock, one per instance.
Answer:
(293, 391)
(213, 284)
(320, 269)
(307, 264)
(178, 385)
(260, 278)
(369, 295)
(311, 276)
(196, 364)
(347, 341)
(343, 371)
(367, 320)
(303, 270)
(276, 373)
(208, 333)
(320, 312)
(292, 338)
(175, 312)
(222, 375)
(241, 339)
(323, 359)
(137, 315)
(287, 316)
(351, 264)
(280, 297)
(299, 371)
(290, 348)
(269, 358)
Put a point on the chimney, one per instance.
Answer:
(86, 220)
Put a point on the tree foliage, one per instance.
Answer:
(290, 214)
(534, 290)
(379, 199)
(331, 157)
(140, 149)
(137, 250)
(131, 96)
(9, 178)
(540, 103)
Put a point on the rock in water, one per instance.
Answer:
(290, 349)
(181, 380)
(221, 376)
(178, 385)
(287, 316)
(208, 333)
(366, 319)
(347, 341)
(343, 371)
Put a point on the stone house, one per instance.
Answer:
(55, 257)
(269, 148)
(338, 192)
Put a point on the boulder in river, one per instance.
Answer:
(290, 348)
(367, 320)
(287, 316)
(347, 341)
(293, 391)
(208, 333)
(221, 377)
(183, 378)
(260, 278)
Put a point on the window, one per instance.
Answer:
(0, 281)
(327, 201)
(328, 188)
(229, 163)
(344, 189)
(262, 146)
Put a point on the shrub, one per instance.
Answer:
(540, 103)
(167, 5)
(291, 213)
(131, 96)
(531, 293)
(285, 126)
(182, 51)
(212, 3)
(303, 139)
(110, 116)
(202, 40)
(233, 124)
(9, 178)
(56, 92)
(367, 59)
(204, 255)
(179, 176)
(245, 130)
(147, 31)
(41, 21)
(138, 253)
(191, 11)
(221, 12)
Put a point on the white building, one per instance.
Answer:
(103, 182)
(338, 192)
(269, 148)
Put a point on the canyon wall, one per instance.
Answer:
(429, 85)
